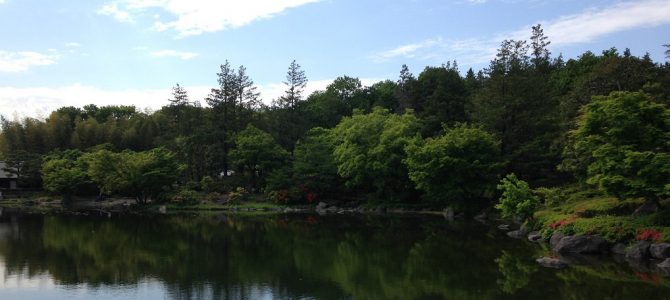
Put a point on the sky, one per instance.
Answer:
(132, 52)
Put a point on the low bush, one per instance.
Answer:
(186, 197)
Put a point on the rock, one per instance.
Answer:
(504, 227)
(162, 209)
(551, 262)
(555, 238)
(641, 265)
(639, 250)
(660, 251)
(449, 213)
(646, 209)
(619, 249)
(665, 264)
(583, 244)
(517, 234)
(321, 206)
(481, 217)
(535, 237)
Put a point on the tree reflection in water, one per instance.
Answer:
(296, 256)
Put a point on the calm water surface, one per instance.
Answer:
(291, 257)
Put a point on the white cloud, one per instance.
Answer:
(592, 24)
(72, 45)
(174, 53)
(40, 101)
(24, 60)
(583, 27)
(194, 17)
(408, 50)
(112, 9)
(272, 91)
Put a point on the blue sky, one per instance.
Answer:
(75, 52)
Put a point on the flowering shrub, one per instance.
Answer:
(311, 196)
(648, 235)
(280, 196)
(562, 223)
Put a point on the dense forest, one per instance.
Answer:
(444, 137)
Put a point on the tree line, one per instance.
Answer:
(439, 138)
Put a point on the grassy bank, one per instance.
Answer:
(574, 211)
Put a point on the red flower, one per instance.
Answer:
(311, 196)
(648, 234)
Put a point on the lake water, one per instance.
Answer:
(218, 256)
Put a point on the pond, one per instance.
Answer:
(297, 256)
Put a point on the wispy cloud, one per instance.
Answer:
(594, 23)
(72, 45)
(194, 17)
(24, 60)
(582, 27)
(407, 50)
(174, 53)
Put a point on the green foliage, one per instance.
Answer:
(442, 98)
(102, 167)
(257, 153)
(207, 184)
(25, 167)
(314, 167)
(145, 174)
(550, 196)
(63, 174)
(186, 197)
(625, 140)
(517, 198)
(460, 165)
(370, 149)
(526, 98)
(239, 194)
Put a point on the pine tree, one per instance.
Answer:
(405, 90)
(222, 101)
(296, 81)
(179, 96)
(539, 43)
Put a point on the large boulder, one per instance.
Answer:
(582, 244)
(555, 238)
(639, 250)
(552, 262)
(660, 251)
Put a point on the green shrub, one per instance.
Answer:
(239, 194)
(186, 197)
(213, 197)
(517, 199)
(551, 196)
(207, 184)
